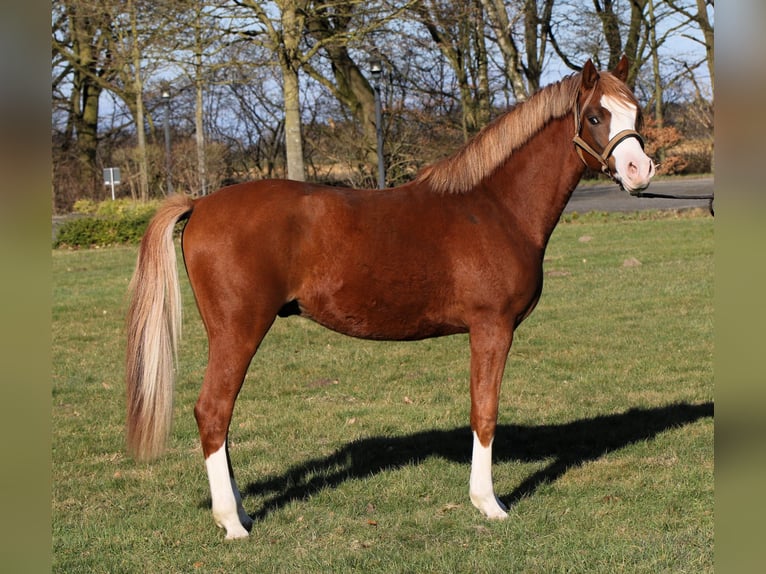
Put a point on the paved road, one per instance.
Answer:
(609, 197)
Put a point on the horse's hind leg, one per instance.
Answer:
(229, 356)
(228, 511)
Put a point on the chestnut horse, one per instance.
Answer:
(459, 249)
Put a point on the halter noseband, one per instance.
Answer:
(603, 157)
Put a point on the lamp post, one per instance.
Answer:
(166, 99)
(376, 69)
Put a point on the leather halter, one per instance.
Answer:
(603, 157)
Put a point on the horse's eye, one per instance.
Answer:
(593, 120)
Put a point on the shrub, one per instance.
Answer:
(659, 144)
(675, 153)
(106, 223)
(85, 206)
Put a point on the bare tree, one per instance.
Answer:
(697, 12)
(502, 24)
(253, 124)
(194, 43)
(133, 48)
(612, 28)
(282, 26)
(333, 26)
(635, 40)
(523, 66)
(459, 34)
(82, 66)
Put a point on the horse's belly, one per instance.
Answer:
(375, 314)
(368, 326)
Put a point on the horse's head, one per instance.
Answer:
(607, 116)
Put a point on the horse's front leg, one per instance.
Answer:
(489, 351)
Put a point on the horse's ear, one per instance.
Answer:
(589, 75)
(621, 69)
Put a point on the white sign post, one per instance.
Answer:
(112, 178)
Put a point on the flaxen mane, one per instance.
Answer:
(480, 157)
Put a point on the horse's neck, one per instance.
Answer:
(538, 180)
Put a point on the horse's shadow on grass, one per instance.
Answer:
(569, 445)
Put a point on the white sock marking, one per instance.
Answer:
(228, 512)
(480, 489)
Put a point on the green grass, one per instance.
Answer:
(354, 455)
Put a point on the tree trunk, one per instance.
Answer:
(199, 133)
(498, 20)
(138, 88)
(483, 106)
(707, 31)
(355, 92)
(536, 28)
(455, 34)
(290, 63)
(659, 116)
(199, 83)
(82, 130)
(610, 24)
(86, 96)
(199, 138)
(293, 137)
(352, 89)
(634, 47)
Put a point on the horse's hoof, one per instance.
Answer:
(493, 508)
(236, 533)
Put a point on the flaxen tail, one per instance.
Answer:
(153, 330)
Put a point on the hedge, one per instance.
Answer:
(119, 222)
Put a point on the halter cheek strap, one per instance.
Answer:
(603, 158)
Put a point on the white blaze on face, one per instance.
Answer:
(633, 167)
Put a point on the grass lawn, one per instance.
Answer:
(354, 455)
